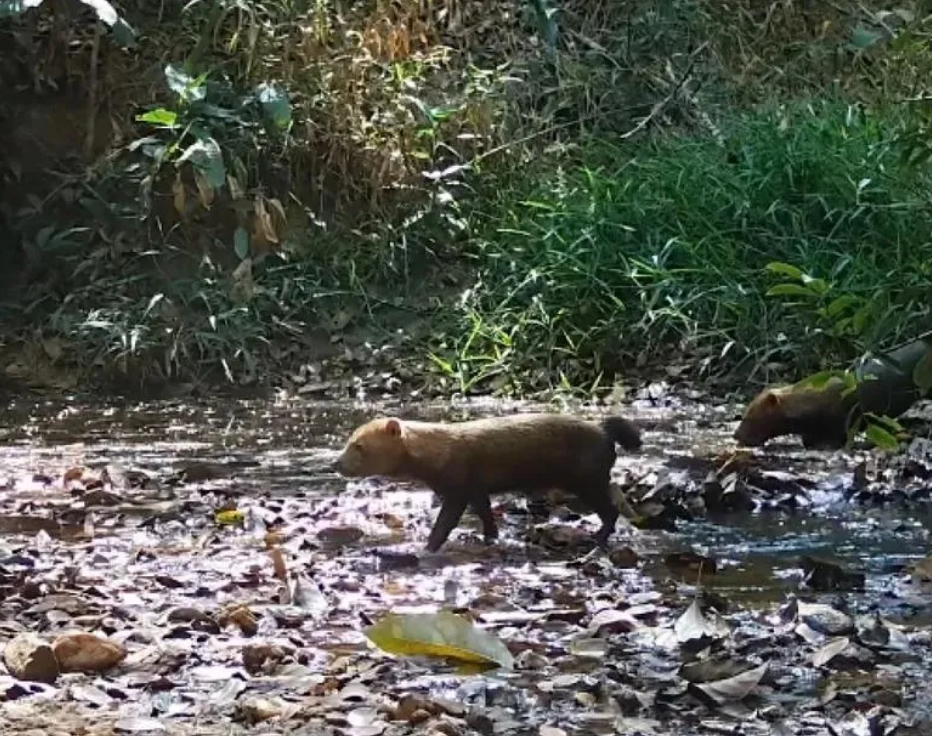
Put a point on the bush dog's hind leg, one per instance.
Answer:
(451, 511)
(482, 507)
(596, 493)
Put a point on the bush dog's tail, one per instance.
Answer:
(622, 431)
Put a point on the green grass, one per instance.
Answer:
(643, 252)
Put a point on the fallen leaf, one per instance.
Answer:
(734, 688)
(230, 517)
(694, 624)
(441, 634)
(830, 650)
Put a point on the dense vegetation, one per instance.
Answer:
(502, 196)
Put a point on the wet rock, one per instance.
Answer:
(83, 652)
(689, 565)
(262, 657)
(257, 710)
(239, 615)
(28, 657)
(825, 575)
(334, 537)
(820, 617)
(623, 557)
(726, 493)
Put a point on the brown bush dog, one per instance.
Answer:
(822, 416)
(464, 463)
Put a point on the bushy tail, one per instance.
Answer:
(622, 431)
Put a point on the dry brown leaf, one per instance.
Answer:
(179, 196)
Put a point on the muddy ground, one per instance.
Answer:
(229, 581)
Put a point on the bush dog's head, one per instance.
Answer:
(375, 448)
(764, 418)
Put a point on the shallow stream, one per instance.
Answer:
(359, 545)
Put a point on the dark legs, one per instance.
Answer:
(594, 492)
(451, 511)
(597, 495)
(482, 507)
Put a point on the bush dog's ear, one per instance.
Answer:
(393, 427)
(772, 400)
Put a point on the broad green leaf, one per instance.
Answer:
(821, 379)
(188, 88)
(791, 290)
(442, 114)
(839, 305)
(863, 37)
(442, 634)
(241, 243)
(819, 286)
(44, 236)
(786, 269)
(922, 373)
(884, 422)
(205, 154)
(861, 319)
(124, 34)
(275, 105)
(159, 116)
(881, 437)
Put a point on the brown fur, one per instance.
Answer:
(818, 415)
(822, 416)
(466, 462)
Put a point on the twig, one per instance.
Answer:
(91, 130)
(662, 104)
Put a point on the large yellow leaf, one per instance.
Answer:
(441, 634)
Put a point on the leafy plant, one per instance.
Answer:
(846, 316)
(612, 264)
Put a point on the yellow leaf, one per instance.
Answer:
(231, 517)
(442, 634)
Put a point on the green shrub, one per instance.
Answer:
(656, 248)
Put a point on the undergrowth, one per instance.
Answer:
(646, 254)
(519, 194)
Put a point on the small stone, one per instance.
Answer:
(262, 657)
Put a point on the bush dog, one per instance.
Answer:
(465, 462)
(822, 415)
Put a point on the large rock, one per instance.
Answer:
(28, 657)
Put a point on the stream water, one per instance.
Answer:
(291, 442)
(280, 450)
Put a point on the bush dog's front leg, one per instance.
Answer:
(451, 511)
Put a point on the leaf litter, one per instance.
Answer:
(224, 582)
